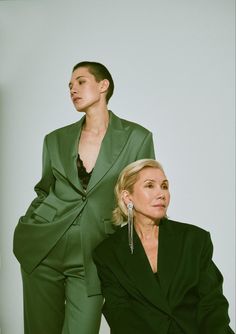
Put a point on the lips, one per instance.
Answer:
(160, 206)
(76, 99)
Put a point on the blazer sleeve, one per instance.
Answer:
(146, 151)
(117, 309)
(47, 181)
(213, 306)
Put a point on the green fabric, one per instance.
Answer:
(61, 199)
(187, 298)
(58, 277)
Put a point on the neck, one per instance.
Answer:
(96, 120)
(146, 230)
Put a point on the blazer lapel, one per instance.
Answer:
(138, 269)
(169, 253)
(69, 152)
(112, 144)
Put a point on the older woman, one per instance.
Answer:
(157, 275)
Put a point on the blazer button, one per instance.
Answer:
(83, 198)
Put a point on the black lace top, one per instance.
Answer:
(84, 176)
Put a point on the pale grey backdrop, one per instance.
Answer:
(173, 65)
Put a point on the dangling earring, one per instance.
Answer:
(130, 226)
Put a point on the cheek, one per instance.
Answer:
(168, 199)
(138, 199)
(91, 93)
(144, 196)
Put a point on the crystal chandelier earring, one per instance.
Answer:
(130, 226)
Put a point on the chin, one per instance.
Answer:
(159, 217)
(78, 109)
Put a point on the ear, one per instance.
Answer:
(126, 197)
(104, 85)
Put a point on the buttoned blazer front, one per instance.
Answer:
(61, 199)
(187, 296)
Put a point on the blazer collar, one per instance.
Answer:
(169, 252)
(112, 144)
(69, 148)
(138, 269)
(111, 147)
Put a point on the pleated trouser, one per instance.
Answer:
(55, 297)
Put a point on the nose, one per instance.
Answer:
(160, 195)
(73, 89)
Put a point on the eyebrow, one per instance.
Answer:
(151, 180)
(77, 78)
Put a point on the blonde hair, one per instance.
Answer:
(126, 181)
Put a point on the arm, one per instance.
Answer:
(146, 150)
(213, 306)
(117, 308)
(43, 186)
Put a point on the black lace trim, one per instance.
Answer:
(84, 176)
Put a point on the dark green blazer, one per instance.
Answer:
(185, 297)
(61, 199)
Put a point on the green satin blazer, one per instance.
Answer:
(61, 199)
(186, 296)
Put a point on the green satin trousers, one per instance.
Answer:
(55, 297)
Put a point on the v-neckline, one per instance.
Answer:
(145, 254)
(83, 167)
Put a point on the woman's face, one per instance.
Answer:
(150, 195)
(85, 91)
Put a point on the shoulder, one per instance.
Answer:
(106, 247)
(62, 130)
(185, 226)
(132, 125)
(114, 238)
(188, 229)
(60, 135)
(136, 127)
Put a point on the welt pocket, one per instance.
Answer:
(46, 212)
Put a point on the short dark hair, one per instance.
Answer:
(100, 72)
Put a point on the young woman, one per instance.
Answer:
(157, 275)
(71, 214)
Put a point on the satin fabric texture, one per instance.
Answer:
(61, 198)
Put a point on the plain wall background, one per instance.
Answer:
(173, 66)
